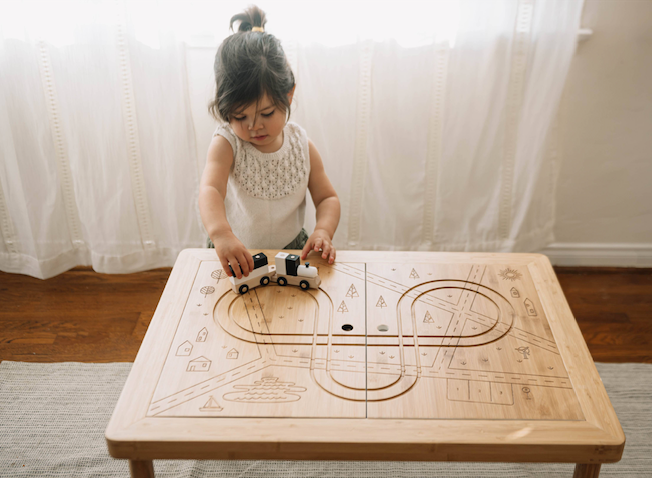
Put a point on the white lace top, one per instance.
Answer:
(266, 192)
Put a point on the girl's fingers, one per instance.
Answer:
(237, 273)
(306, 249)
(331, 259)
(326, 249)
(250, 261)
(244, 264)
(318, 244)
(225, 266)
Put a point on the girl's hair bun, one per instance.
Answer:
(251, 17)
(248, 67)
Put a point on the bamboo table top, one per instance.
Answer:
(397, 356)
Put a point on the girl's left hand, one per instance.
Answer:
(319, 241)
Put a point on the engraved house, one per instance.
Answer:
(184, 349)
(529, 306)
(200, 364)
(233, 354)
(201, 336)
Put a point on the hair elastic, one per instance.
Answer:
(258, 29)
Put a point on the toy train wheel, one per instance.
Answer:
(304, 285)
(243, 288)
(264, 280)
(282, 281)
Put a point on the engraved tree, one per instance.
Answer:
(428, 318)
(381, 302)
(211, 405)
(218, 274)
(352, 292)
(342, 308)
(413, 274)
(207, 289)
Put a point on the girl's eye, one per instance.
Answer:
(267, 115)
(239, 119)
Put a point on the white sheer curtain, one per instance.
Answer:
(432, 119)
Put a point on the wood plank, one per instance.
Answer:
(79, 316)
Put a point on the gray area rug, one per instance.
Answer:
(53, 417)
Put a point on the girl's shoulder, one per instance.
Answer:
(224, 130)
(295, 128)
(296, 131)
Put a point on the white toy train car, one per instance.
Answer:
(262, 274)
(288, 270)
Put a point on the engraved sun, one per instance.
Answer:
(510, 274)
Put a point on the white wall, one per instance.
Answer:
(604, 195)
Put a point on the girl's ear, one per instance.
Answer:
(291, 94)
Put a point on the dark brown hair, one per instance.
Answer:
(249, 64)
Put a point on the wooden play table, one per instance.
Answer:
(397, 356)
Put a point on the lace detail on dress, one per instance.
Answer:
(272, 176)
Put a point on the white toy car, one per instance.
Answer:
(261, 275)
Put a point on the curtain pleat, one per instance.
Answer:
(436, 135)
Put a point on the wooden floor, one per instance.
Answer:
(83, 316)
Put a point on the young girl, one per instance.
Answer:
(266, 161)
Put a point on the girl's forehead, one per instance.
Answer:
(263, 103)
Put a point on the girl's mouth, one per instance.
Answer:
(260, 138)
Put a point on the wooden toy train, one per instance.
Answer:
(287, 270)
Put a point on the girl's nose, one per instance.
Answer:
(256, 124)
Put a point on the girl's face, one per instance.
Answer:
(261, 124)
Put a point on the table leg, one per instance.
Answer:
(586, 471)
(141, 468)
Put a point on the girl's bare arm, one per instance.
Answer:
(327, 205)
(212, 191)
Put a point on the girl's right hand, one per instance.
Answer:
(229, 249)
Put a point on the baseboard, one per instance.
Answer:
(599, 254)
